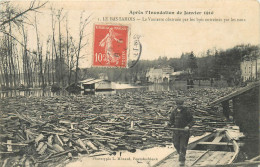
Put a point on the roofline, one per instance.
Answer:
(235, 93)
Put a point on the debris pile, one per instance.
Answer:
(48, 130)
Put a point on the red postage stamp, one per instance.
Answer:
(110, 46)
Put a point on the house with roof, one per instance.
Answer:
(160, 75)
(250, 68)
(92, 84)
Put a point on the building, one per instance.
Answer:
(250, 68)
(243, 105)
(160, 75)
(92, 84)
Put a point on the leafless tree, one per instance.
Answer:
(12, 19)
(6, 20)
(30, 66)
(39, 55)
(82, 26)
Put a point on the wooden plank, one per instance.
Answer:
(193, 155)
(191, 145)
(217, 139)
(239, 164)
(236, 93)
(199, 158)
(235, 146)
(225, 159)
(205, 157)
(216, 143)
(217, 158)
(255, 158)
(14, 144)
(177, 129)
(209, 160)
(166, 159)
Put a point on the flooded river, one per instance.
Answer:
(178, 85)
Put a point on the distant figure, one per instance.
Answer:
(226, 109)
(181, 119)
(188, 84)
(191, 83)
(211, 82)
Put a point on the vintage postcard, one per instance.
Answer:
(121, 83)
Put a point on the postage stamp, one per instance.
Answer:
(110, 45)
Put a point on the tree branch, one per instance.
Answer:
(31, 8)
(16, 40)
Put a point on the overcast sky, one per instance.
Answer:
(164, 38)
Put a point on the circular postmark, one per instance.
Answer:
(137, 50)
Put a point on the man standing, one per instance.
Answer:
(181, 119)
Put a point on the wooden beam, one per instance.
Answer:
(218, 139)
(255, 158)
(235, 93)
(233, 164)
(199, 158)
(216, 143)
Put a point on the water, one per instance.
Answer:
(32, 92)
(177, 85)
(120, 88)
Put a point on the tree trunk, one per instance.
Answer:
(39, 53)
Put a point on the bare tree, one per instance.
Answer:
(26, 68)
(47, 62)
(12, 19)
(67, 50)
(63, 51)
(54, 50)
(60, 17)
(32, 7)
(82, 26)
(39, 54)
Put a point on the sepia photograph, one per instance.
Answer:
(120, 83)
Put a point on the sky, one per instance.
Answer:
(161, 38)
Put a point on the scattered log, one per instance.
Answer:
(99, 154)
(57, 140)
(112, 146)
(9, 146)
(39, 138)
(92, 124)
(14, 144)
(82, 145)
(90, 145)
(58, 148)
(39, 146)
(43, 149)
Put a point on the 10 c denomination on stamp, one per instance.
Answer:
(110, 46)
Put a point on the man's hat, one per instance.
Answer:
(179, 101)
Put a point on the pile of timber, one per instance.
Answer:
(48, 130)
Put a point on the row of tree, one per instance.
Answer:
(212, 64)
(52, 61)
(56, 60)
